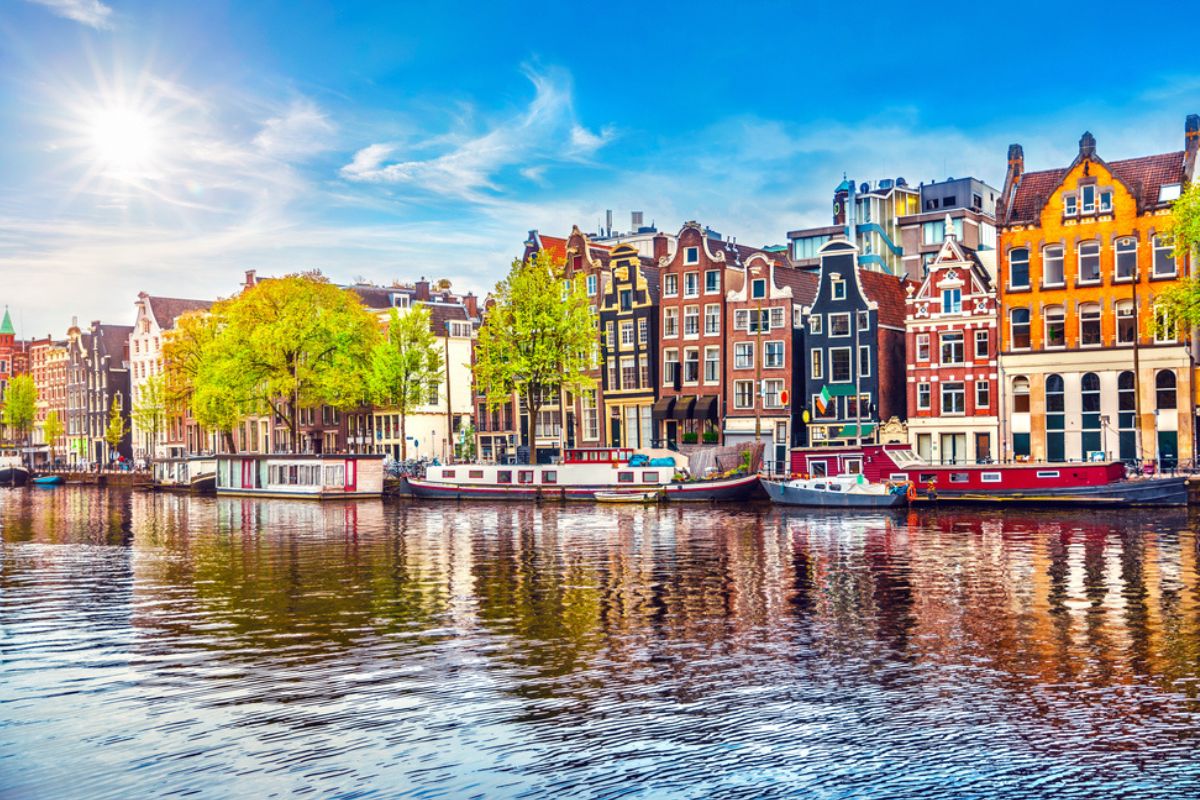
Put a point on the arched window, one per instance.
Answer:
(1126, 416)
(1089, 325)
(1056, 327)
(1089, 395)
(1089, 262)
(1126, 322)
(1126, 259)
(1019, 328)
(1020, 397)
(1056, 418)
(1164, 390)
(1052, 265)
(1018, 268)
(1055, 394)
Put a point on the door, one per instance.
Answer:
(954, 448)
(925, 446)
(1168, 449)
(983, 448)
(247, 473)
(671, 431)
(615, 428)
(351, 476)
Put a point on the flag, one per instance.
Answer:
(823, 400)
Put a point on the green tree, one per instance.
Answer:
(116, 429)
(405, 364)
(1180, 304)
(20, 406)
(150, 411)
(53, 429)
(537, 338)
(284, 344)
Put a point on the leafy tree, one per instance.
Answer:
(116, 429)
(537, 338)
(53, 429)
(1181, 302)
(150, 411)
(284, 344)
(405, 364)
(20, 406)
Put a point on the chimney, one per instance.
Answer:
(422, 287)
(1016, 162)
(1191, 134)
(471, 304)
(250, 279)
(661, 245)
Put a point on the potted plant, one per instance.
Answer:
(690, 437)
(710, 437)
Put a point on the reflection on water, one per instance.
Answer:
(163, 644)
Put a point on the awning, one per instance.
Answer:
(840, 389)
(851, 431)
(663, 408)
(706, 408)
(683, 408)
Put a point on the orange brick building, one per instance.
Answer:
(1086, 371)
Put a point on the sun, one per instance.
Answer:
(123, 140)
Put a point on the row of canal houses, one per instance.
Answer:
(977, 325)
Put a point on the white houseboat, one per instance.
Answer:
(583, 473)
(196, 474)
(320, 477)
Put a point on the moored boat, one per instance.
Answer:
(307, 476)
(628, 497)
(845, 491)
(13, 471)
(48, 480)
(196, 474)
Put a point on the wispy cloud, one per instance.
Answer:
(301, 130)
(467, 165)
(92, 13)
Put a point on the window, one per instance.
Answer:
(1164, 326)
(982, 341)
(1126, 322)
(922, 347)
(712, 281)
(839, 364)
(671, 285)
(983, 394)
(671, 322)
(691, 255)
(1070, 205)
(758, 288)
(626, 333)
(649, 477)
(816, 361)
(1089, 262)
(1020, 395)
(670, 367)
(626, 299)
(864, 361)
(549, 476)
(644, 373)
(1126, 259)
(923, 396)
(741, 319)
(1019, 328)
(743, 394)
(712, 365)
(624, 477)
(771, 393)
(1089, 325)
(814, 324)
(990, 477)
(953, 398)
(933, 232)
(1087, 199)
(1168, 192)
(524, 476)
(1106, 201)
(691, 284)
(612, 374)
(839, 324)
(760, 321)
(476, 474)
(433, 393)
(591, 284)
(691, 365)
(712, 319)
(591, 416)
(743, 355)
(1164, 263)
(643, 330)
(1018, 268)
(628, 373)
(839, 289)
(691, 321)
(777, 318)
(772, 354)
(1052, 266)
(952, 348)
(1056, 327)
(952, 301)
(1164, 390)
(1055, 394)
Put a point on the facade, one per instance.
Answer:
(965, 207)
(765, 339)
(1087, 371)
(8, 354)
(628, 321)
(953, 346)
(854, 360)
(97, 374)
(869, 214)
(48, 361)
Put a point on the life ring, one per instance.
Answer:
(911, 493)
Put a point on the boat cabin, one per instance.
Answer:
(597, 455)
(322, 477)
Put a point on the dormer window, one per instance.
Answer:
(1088, 201)
(1168, 192)
(400, 300)
(1070, 205)
(691, 255)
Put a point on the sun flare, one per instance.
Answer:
(122, 140)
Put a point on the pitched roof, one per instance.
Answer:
(168, 309)
(888, 292)
(557, 247)
(7, 326)
(803, 283)
(440, 314)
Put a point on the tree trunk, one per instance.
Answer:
(403, 437)
(531, 427)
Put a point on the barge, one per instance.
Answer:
(195, 474)
(304, 476)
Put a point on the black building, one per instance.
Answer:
(628, 310)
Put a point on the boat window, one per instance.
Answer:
(447, 473)
(928, 477)
(525, 476)
(898, 476)
(820, 487)
(960, 477)
(818, 469)
(990, 477)
(550, 476)
(835, 487)
(504, 476)
(624, 477)
(649, 477)
(1047, 473)
(475, 473)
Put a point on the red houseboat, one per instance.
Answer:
(1041, 483)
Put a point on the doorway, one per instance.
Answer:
(954, 448)
(983, 448)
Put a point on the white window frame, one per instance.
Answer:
(1079, 279)
(833, 318)
(982, 336)
(712, 312)
(816, 364)
(738, 388)
(814, 324)
(864, 364)
(922, 347)
(849, 351)
(767, 394)
(740, 349)
(670, 356)
(691, 255)
(716, 378)
(670, 285)
(962, 391)
(707, 273)
(671, 322)
(782, 354)
(986, 400)
(691, 314)
(928, 393)
(1062, 266)
(1158, 245)
(838, 289)
(692, 290)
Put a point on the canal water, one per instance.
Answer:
(155, 645)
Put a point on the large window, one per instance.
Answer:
(691, 284)
(626, 334)
(1056, 327)
(691, 365)
(591, 416)
(743, 355)
(1089, 404)
(1018, 268)
(839, 364)
(1164, 263)
(1052, 266)
(1126, 322)
(1164, 390)
(771, 392)
(1088, 199)
(1089, 262)
(712, 365)
(712, 281)
(670, 285)
(1165, 327)
(670, 367)
(952, 301)
(691, 321)
(1089, 325)
(1126, 259)
(1056, 444)
(743, 394)
(1126, 416)
(952, 348)
(839, 324)
(712, 319)
(772, 354)
(628, 373)
(953, 398)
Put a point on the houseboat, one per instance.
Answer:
(317, 477)
(583, 473)
(1031, 483)
(13, 471)
(196, 474)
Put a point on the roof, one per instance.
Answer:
(7, 326)
(167, 309)
(1143, 176)
(113, 339)
(440, 314)
(555, 246)
(802, 282)
(888, 292)
(653, 286)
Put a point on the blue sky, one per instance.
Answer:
(168, 146)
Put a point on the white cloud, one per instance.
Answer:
(301, 130)
(92, 13)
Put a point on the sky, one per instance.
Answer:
(168, 146)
